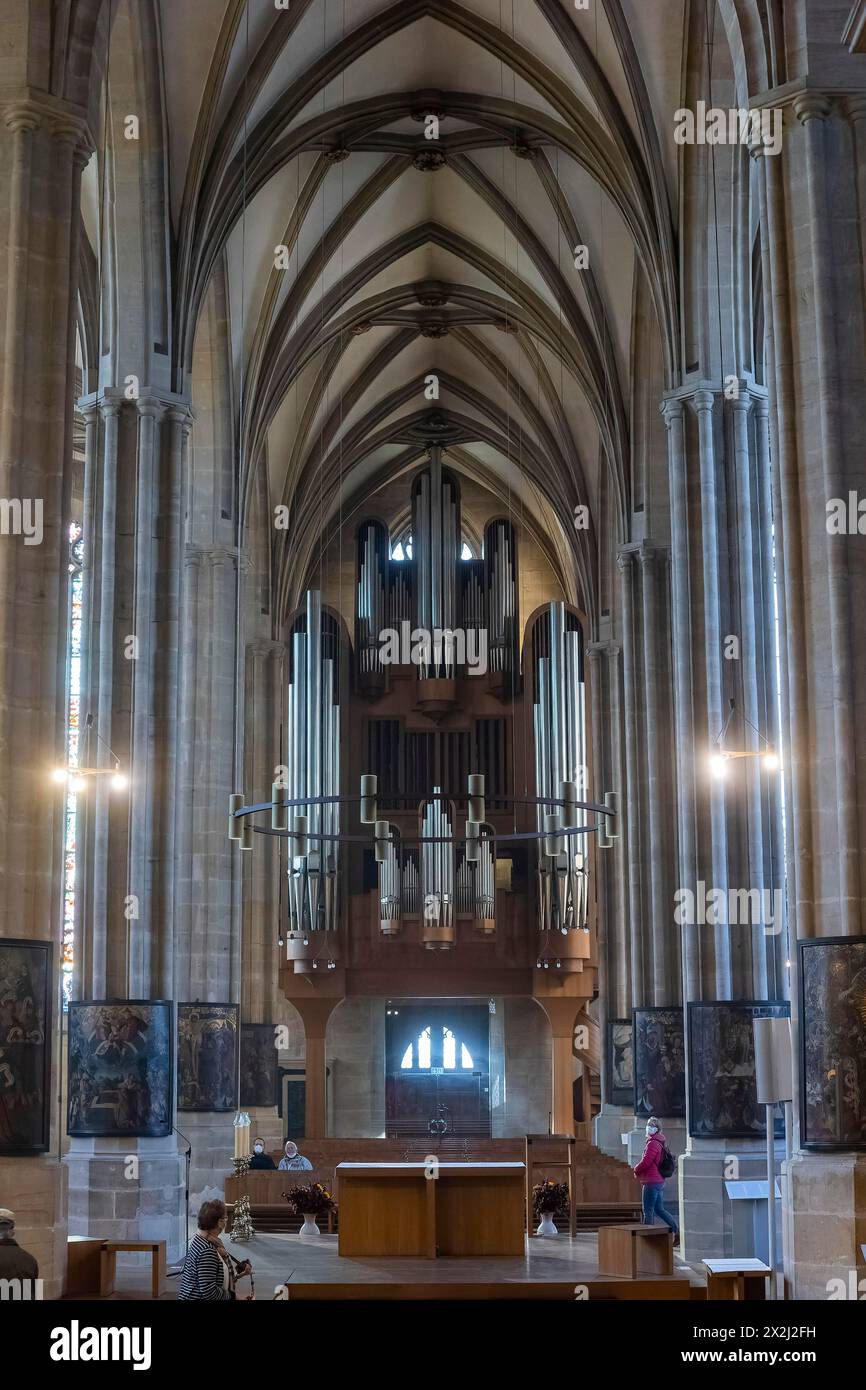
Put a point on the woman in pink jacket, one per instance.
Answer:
(647, 1173)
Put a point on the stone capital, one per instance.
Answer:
(811, 106)
(624, 557)
(855, 107)
(65, 123)
(702, 400)
(647, 553)
(151, 407)
(671, 409)
(266, 647)
(183, 416)
(21, 116)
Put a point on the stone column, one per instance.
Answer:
(265, 674)
(815, 289)
(44, 145)
(132, 1188)
(661, 989)
(209, 867)
(625, 563)
(681, 589)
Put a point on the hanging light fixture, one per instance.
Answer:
(75, 776)
(721, 756)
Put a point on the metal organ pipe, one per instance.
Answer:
(560, 756)
(313, 767)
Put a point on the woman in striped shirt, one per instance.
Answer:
(206, 1274)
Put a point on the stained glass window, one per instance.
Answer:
(424, 1053)
(73, 737)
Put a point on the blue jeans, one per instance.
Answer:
(653, 1206)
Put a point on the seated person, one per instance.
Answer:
(260, 1159)
(293, 1161)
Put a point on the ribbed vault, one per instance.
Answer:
(408, 258)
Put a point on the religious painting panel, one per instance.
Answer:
(620, 1052)
(207, 1057)
(833, 1043)
(120, 1068)
(26, 982)
(723, 1095)
(659, 1062)
(258, 1064)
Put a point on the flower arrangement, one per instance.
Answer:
(313, 1199)
(550, 1196)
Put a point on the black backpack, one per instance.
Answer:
(667, 1164)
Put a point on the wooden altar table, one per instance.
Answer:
(397, 1209)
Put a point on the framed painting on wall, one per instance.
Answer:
(833, 1042)
(620, 1051)
(26, 982)
(659, 1062)
(207, 1057)
(723, 1095)
(258, 1064)
(120, 1068)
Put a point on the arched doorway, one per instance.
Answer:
(437, 1070)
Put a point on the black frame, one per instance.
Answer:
(619, 1095)
(818, 1145)
(163, 1133)
(669, 1114)
(759, 1008)
(47, 947)
(210, 1109)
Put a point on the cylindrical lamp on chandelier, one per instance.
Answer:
(476, 798)
(382, 841)
(568, 794)
(279, 812)
(369, 787)
(473, 842)
(299, 843)
(554, 842)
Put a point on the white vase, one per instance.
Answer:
(309, 1227)
(547, 1227)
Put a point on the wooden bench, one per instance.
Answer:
(635, 1249)
(83, 1265)
(108, 1263)
(737, 1280)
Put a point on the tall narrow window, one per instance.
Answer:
(73, 736)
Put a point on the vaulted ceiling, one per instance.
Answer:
(409, 256)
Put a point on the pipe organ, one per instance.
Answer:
(450, 763)
(372, 601)
(313, 729)
(500, 572)
(437, 872)
(436, 541)
(559, 728)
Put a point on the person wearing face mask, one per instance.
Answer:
(651, 1173)
(292, 1161)
(259, 1159)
